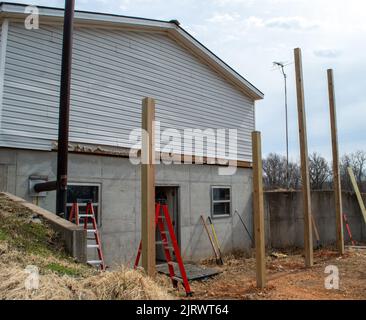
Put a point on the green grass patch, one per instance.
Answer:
(62, 270)
(27, 235)
(19, 228)
(36, 240)
(3, 235)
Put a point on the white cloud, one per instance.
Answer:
(288, 23)
(224, 3)
(224, 18)
(294, 23)
(254, 22)
(327, 53)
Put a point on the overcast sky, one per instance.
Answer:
(249, 35)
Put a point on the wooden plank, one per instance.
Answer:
(217, 255)
(358, 193)
(336, 173)
(356, 247)
(316, 232)
(258, 207)
(148, 187)
(308, 237)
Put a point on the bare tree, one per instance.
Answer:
(359, 165)
(275, 175)
(345, 180)
(294, 173)
(319, 171)
(357, 161)
(274, 172)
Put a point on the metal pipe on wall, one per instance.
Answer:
(64, 114)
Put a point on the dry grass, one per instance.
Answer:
(26, 240)
(120, 284)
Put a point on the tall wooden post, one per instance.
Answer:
(308, 237)
(148, 187)
(336, 173)
(258, 210)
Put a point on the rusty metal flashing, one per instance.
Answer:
(123, 152)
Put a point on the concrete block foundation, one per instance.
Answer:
(119, 202)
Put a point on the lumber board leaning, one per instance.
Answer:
(358, 193)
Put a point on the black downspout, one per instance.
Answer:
(64, 112)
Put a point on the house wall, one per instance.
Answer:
(113, 69)
(120, 199)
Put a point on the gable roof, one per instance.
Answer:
(172, 28)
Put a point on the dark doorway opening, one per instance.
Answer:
(168, 195)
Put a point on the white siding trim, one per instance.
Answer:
(4, 40)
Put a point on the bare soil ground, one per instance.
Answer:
(287, 278)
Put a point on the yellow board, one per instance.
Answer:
(357, 191)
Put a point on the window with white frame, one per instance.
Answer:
(220, 201)
(83, 194)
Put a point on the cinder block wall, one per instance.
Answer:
(120, 199)
(285, 224)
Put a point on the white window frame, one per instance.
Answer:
(218, 216)
(95, 204)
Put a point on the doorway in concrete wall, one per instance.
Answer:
(168, 195)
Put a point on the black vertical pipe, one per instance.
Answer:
(64, 111)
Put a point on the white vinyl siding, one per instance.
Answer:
(112, 71)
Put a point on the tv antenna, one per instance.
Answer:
(281, 66)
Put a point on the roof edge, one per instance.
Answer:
(8, 9)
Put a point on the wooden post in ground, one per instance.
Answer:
(148, 187)
(308, 236)
(336, 173)
(258, 210)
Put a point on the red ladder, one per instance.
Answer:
(159, 222)
(348, 229)
(89, 214)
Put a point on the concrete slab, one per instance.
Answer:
(194, 272)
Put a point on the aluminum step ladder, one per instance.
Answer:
(162, 217)
(88, 219)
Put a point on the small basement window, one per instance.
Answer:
(83, 194)
(221, 201)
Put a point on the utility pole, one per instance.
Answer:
(282, 66)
